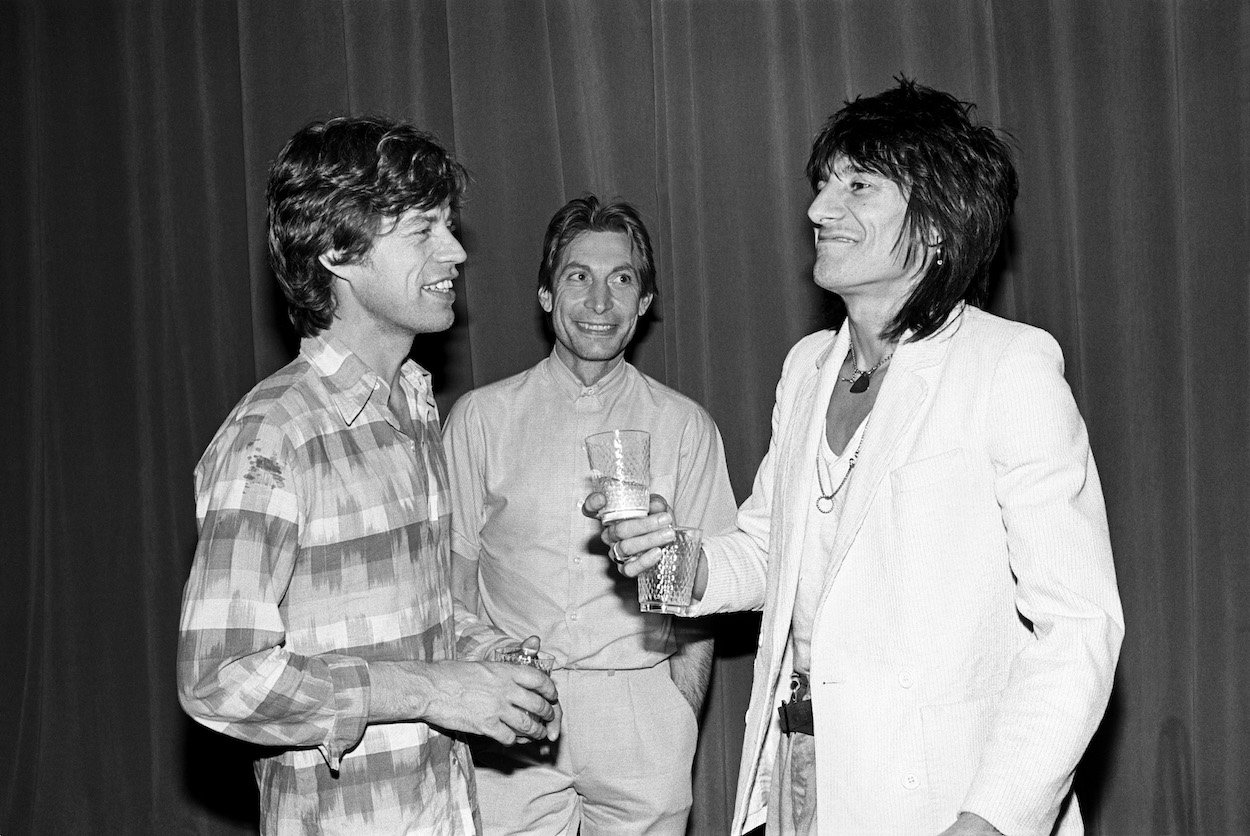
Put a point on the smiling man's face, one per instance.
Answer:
(403, 284)
(595, 301)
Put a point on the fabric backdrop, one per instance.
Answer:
(137, 309)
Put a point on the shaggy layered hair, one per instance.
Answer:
(958, 178)
(334, 186)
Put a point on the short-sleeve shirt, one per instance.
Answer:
(520, 472)
(324, 547)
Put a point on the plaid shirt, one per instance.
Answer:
(324, 546)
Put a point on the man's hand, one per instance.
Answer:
(501, 701)
(970, 824)
(634, 545)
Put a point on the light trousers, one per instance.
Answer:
(621, 766)
(792, 799)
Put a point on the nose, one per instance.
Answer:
(826, 205)
(599, 297)
(452, 250)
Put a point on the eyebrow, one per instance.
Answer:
(579, 266)
(852, 169)
(426, 216)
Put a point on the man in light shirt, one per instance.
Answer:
(529, 562)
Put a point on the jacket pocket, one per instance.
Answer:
(931, 473)
(955, 735)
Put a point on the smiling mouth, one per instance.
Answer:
(439, 287)
(597, 327)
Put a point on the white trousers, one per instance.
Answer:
(621, 765)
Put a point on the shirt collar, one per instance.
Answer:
(351, 383)
(569, 384)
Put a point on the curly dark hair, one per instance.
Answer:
(333, 186)
(587, 214)
(959, 181)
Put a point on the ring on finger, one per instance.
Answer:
(615, 554)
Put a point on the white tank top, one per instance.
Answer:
(827, 475)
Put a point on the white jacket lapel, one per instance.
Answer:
(797, 477)
(911, 378)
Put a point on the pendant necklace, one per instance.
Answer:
(861, 380)
(824, 502)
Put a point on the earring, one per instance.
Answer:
(940, 260)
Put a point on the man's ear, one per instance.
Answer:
(333, 261)
(644, 303)
(544, 299)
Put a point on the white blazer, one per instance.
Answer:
(966, 637)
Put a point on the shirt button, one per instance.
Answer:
(577, 561)
(905, 679)
(911, 781)
(573, 615)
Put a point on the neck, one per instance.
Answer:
(870, 348)
(588, 372)
(384, 352)
(869, 311)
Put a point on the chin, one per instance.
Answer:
(598, 353)
(827, 282)
(434, 325)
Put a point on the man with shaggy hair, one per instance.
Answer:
(926, 536)
(317, 618)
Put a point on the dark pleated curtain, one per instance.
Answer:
(137, 308)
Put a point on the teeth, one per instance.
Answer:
(594, 326)
(442, 286)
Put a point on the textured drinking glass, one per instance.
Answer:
(514, 655)
(620, 461)
(667, 586)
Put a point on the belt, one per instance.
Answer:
(796, 714)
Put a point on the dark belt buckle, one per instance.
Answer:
(796, 715)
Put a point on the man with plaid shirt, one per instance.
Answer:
(318, 614)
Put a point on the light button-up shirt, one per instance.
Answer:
(517, 454)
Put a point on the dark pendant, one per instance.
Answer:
(824, 504)
(860, 384)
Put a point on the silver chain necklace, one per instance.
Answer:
(861, 380)
(824, 502)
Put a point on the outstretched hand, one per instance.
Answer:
(634, 544)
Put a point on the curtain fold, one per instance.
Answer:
(139, 308)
